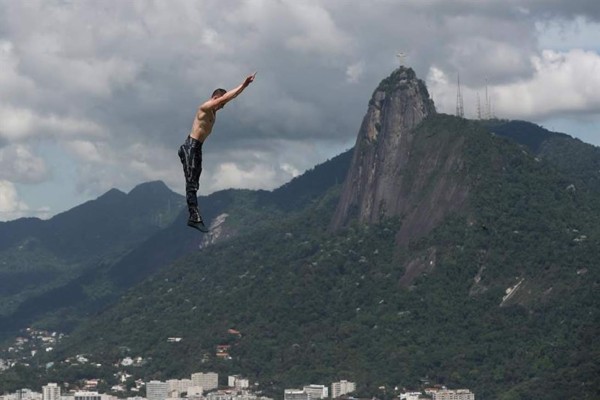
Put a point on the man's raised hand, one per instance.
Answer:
(249, 79)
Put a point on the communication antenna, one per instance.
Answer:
(478, 106)
(488, 112)
(460, 110)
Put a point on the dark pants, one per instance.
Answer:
(190, 154)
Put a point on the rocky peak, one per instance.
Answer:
(391, 170)
(399, 103)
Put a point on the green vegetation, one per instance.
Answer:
(53, 271)
(314, 306)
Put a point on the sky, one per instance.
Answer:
(100, 95)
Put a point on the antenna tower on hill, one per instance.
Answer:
(488, 105)
(460, 110)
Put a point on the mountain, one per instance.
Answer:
(498, 297)
(375, 186)
(532, 136)
(579, 160)
(40, 259)
(75, 264)
(495, 292)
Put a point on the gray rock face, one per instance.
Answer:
(387, 177)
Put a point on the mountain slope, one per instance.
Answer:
(313, 306)
(529, 135)
(497, 294)
(576, 159)
(38, 258)
(91, 272)
(382, 150)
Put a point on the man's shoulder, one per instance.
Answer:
(208, 105)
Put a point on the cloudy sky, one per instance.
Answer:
(96, 95)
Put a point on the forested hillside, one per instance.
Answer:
(499, 298)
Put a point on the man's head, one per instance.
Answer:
(218, 93)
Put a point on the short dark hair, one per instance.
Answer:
(219, 92)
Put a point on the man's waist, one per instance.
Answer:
(193, 142)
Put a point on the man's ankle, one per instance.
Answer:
(194, 215)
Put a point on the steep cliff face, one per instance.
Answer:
(394, 172)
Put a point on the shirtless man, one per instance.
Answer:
(190, 152)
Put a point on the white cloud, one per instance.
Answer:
(93, 77)
(12, 83)
(152, 162)
(290, 169)
(15, 123)
(355, 71)
(21, 123)
(11, 207)
(563, 35)
(115, 83)
(318, 30)
(563, 83)
(19, 164)
(100, 168)
(88, 151)
(231, 175)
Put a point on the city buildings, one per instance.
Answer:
(341, 388)
(410, 396)
(157, 390)
(51, 392)
(233, 395)
(194, 391)
(179, 386)
(87, 396)
(23, 394)
(208, 381)
(237, 382)
(317, 391)
(239, 389)
(295, 394)
(446, 394)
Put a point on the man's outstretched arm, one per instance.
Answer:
(229, 95)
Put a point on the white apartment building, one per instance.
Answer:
(157, 390)
(179, 385)
(317, 391)
(229, 395)
(341, 388)
(445, 394)
(295, 394)
(195, 391)
(51, 392)
(208, 380)
(410, 396)
(87, 396)
(236, 381)
(23, 394)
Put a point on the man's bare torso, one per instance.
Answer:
(203, 124)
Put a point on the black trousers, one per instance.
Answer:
(190, 154)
